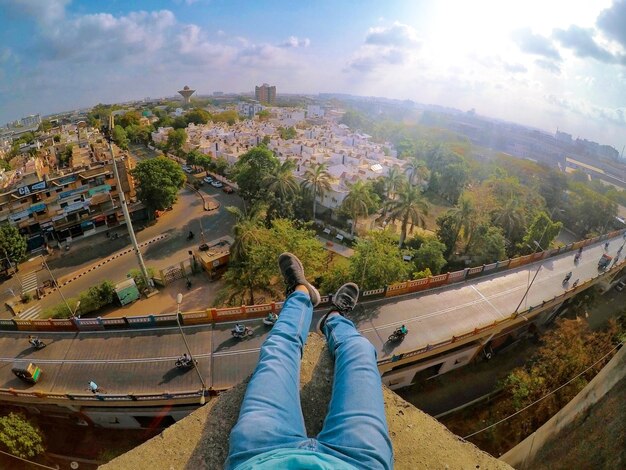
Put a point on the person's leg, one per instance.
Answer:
(270, 416)
(355, 429)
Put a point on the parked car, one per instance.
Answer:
(207, 179)
(217, 184)
(620, 286)
(187, 169)
(228, 190)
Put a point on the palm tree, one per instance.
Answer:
(317, 180)
(393, 181)
(464, 214)
(416, 169)
(510, 217)
(410, 207)
(357, 202)
(245, 230)
(282, 182)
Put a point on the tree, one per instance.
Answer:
(179, 122)
(542, 230)
(358, 202)
(393, 182)
(158, 182)
(20, 437)
(229, 116)
(416, 169)
(245, 230)
(410, 208)
(430, 256)
(487, 246)
(130, 118)
(251, 272)
(12, 244)
(198, 116)
(119, 137)
(377, 261)
(288, 133)
(45, 126)
(176, 139)
(251, 170)
(263, 115)
(317, 180)
(282, 186)
(511, 218)
(449, 173)
(464, 215)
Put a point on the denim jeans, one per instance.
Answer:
(355, 429)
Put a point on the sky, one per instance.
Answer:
(548, 64)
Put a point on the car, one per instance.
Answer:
(228, 190)
(620, 286)
(207, 179)
(217, 184)
(186, 169)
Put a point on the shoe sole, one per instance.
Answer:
(314, 294)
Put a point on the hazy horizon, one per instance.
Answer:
(546, 65)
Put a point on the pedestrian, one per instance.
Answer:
(93, 387)
(270, 432)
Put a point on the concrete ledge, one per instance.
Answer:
(200, 441)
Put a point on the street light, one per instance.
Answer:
(179, 300)
(56, 285)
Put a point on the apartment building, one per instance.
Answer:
(265, 94)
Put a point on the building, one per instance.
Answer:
(265, 94)
(249, 110)
(186, 93)
(32, 120)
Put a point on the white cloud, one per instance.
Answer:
(385, 46)
(589, 110)
(294, 42)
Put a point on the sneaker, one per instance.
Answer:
(344, 301)
(293, 275)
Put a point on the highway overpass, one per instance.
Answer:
(452, 318)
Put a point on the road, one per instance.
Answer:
(186, 215)
(137, 361)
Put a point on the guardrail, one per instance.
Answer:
(217, 315)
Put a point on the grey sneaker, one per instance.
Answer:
(344, 301)
(293, 275)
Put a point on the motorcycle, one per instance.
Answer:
(270, 320)
(568, 276)
(184, 365)
(37, 343)
(575, 284)
(239, 335)
(396, 336)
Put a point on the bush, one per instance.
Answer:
(20, 437)
(90, 300)
(136, 275)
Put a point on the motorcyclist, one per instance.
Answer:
(184, 359)
(239, 329)
(190, 236)
(271, 317)
(403, 330)
(567, 276)
(575, 283)
(35, 341)
(606, 246)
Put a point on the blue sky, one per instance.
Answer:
(542, 63)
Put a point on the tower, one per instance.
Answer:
(265, 94)
(186, 93)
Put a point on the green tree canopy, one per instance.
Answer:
(430, 256)
(119, 137)
(410, 208)
(158, 182)
(229, 116)
(377, 261)
(198, 116)
(129, 118)
(19, 437)
(176, 139)
(360, 201)
(287, 133)
(487, 246)
(12, 244)
(543, 231)
(250, 172)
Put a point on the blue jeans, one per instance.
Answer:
(355, 429)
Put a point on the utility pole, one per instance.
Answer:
(129, 225)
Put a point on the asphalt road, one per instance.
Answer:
(141, 361)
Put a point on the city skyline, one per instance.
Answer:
(556, 65)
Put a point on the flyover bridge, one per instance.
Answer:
(451, 319)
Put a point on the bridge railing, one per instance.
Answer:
(229, 314)
(110, 397)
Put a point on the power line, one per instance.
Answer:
(543, 397)
(28, 461)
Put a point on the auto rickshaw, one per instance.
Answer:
(604, 262)
(27, 371)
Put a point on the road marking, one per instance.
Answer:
(29, 282)
(30, 313)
